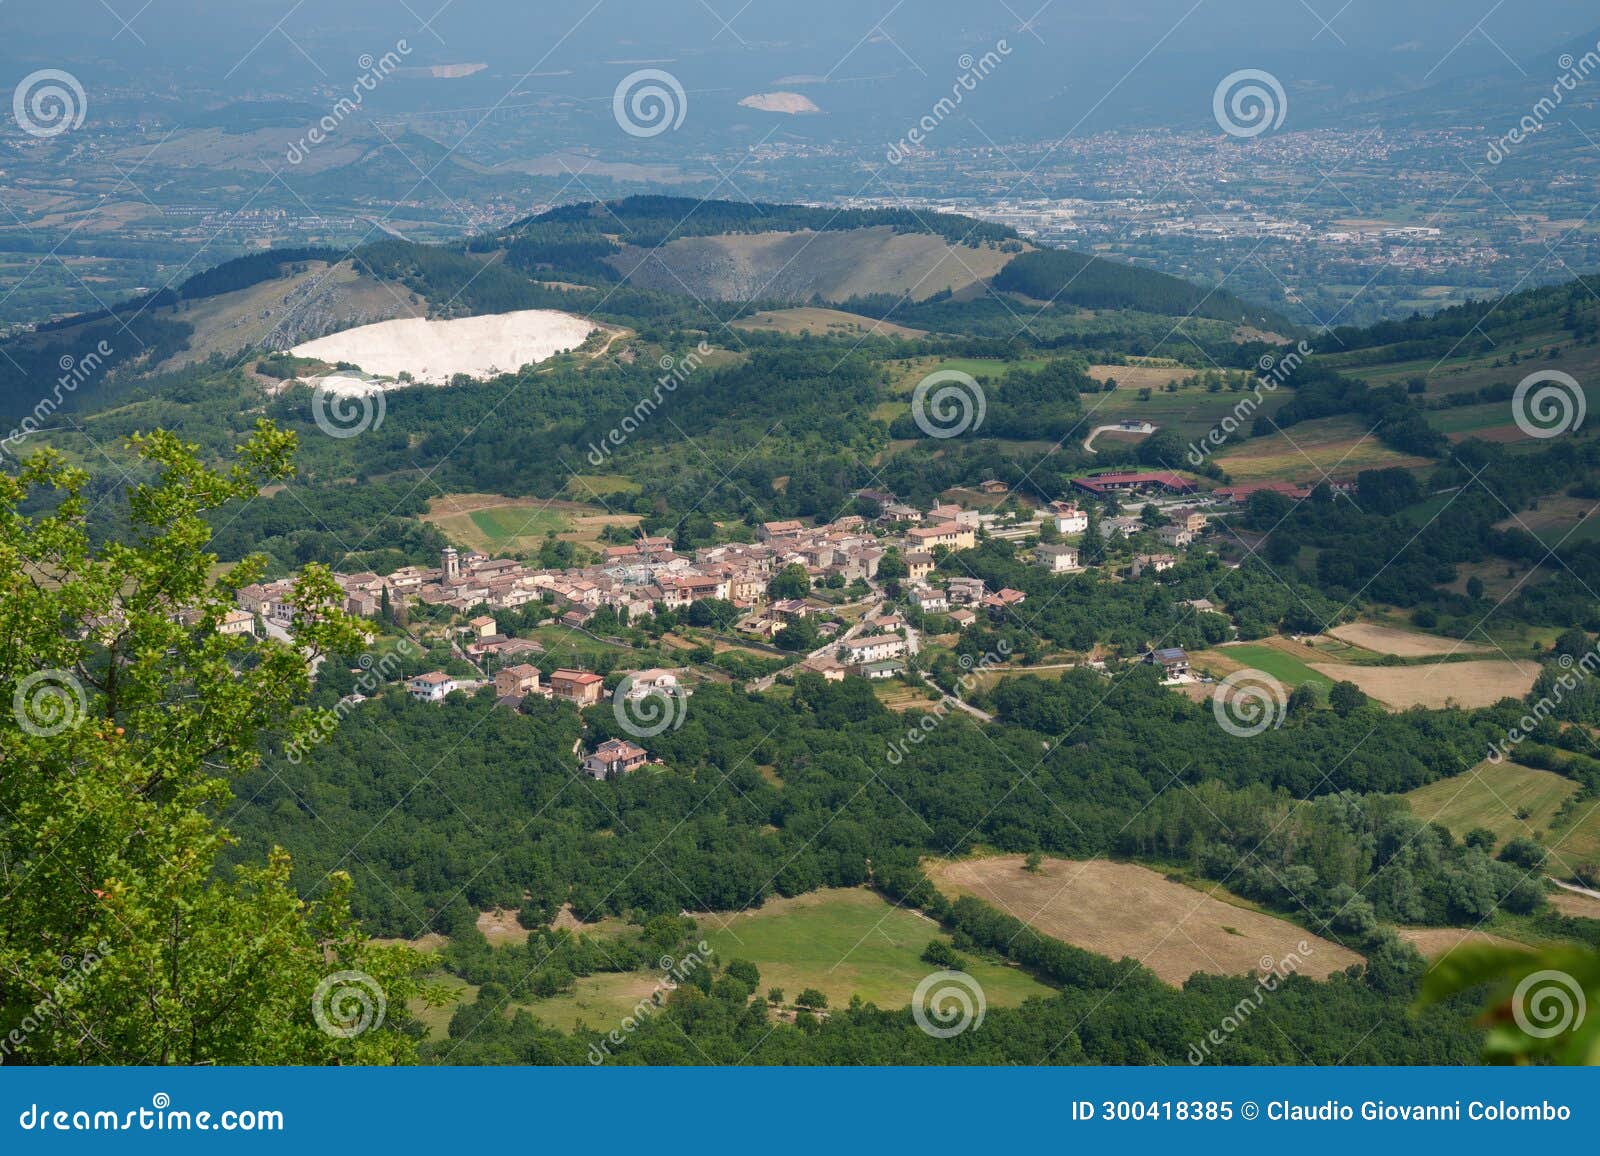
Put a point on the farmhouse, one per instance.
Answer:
(919, 564)
(614, 758)
(1173, 661)
(1178, 536)
(483, 627)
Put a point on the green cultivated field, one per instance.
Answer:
(850, 941)
(1490, 796)
(1284, 667)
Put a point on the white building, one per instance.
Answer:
(1068, 518)
(873, 648)
(431, 687)
(1057, 559)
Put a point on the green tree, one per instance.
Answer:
(1346, 697)
(811, 999)
(131, 712)
(790, 582)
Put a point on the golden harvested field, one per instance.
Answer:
(1122, 909)
(1140, 376)
(1338, 446)
(1572, 903)
(1466, 684)
(1434, 942)
(1401, 643)
(809, 319)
